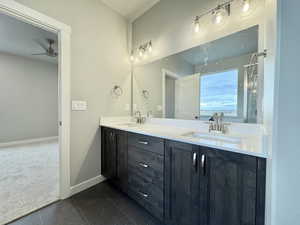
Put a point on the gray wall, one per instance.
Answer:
(99, 61)
(286, 168)
(28, 98)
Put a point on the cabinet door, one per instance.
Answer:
(228, 188)
(181, 184)
(122, 155)
(108, 153)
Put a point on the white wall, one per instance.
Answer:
(28, 98)
(99, 61)
(287, 167)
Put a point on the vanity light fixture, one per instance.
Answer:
(132, 58)
(220, 12)
(246, 5)
(197, 24)
(142, 51)
(150, 47)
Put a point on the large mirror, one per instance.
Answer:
(220, 76)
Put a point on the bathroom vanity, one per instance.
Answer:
(173, 166)
(181, 181)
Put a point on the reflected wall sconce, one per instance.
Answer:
(117, 91)
(220, 12)
(145, 94)
(142, 51)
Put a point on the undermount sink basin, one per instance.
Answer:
(213, 137)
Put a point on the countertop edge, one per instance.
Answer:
(183, 140)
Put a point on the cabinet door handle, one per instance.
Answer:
(143, 194)
(195, 161)
(203, 159)
(143, 165)
(144, 142)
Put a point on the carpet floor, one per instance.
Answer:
(29, 178)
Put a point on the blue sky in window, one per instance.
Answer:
(218, 92)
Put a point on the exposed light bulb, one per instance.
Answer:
(218, 17)
(132, 58)
(197, 25)
(141, 53)
(150, 47)
(246, 5)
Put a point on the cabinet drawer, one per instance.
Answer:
(150, 186)
(148, 201)
(148, 143)
(146, 164)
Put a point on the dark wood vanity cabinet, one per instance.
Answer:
(184, 184)
(205, 186)
(181, 184)
(108, 153)
(232, 188)
(114, 157)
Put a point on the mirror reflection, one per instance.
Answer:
(222, 76)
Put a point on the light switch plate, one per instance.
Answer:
(79, 105)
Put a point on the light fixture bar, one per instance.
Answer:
(225, 5)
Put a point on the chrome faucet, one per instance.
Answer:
(216, 123)
(139, 118)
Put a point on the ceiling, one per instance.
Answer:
(130, 9)
(20, 38)
(240, 43)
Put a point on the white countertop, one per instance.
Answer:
(249, 145)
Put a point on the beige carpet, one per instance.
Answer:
(29, 178)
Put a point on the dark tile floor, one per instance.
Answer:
(99, 205)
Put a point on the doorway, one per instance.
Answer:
(39, 146)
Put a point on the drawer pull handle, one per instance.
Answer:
(144, 142)
(143, 194)
(143, 165)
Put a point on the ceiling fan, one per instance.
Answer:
(49, 51)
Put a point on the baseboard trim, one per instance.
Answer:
(28, 141)
(86, 184)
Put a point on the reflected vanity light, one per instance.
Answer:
(132, 58)
(142, 51)
(218, 16)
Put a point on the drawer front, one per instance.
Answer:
(145, 164)
(147, 201)
(148, 143)
(146, 185)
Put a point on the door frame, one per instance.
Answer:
(166, 73)
(27, 15)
